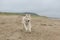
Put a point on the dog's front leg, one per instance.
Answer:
(29, 27)
(25, 27)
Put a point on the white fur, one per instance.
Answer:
(27, 25)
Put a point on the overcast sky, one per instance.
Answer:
(49, 8)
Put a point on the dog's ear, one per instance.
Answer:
(29, 16)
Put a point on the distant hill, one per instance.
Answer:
(34, 14)
(12, 13)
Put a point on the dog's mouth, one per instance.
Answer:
(28, 20)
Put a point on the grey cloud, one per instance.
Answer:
(43, 7)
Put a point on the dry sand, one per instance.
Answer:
(43, 28)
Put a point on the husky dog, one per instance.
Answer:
(27, 22)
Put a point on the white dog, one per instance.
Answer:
(27, 22)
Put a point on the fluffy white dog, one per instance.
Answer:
(27, 22)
